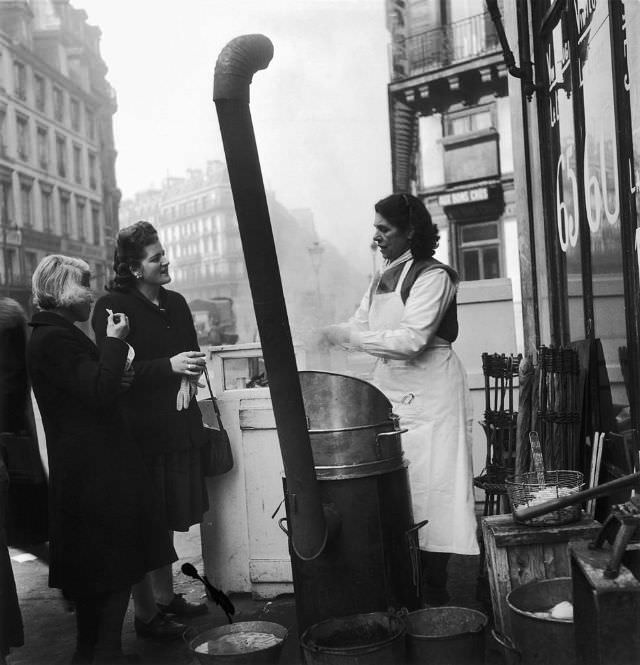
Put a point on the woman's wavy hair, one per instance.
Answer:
(57, 282)
(131, 242)
(406, 212)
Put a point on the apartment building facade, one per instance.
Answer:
(58, 191)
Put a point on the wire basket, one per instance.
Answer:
(526, 490)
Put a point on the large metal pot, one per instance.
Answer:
(352, 430)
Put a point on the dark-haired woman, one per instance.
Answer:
(408, 320)
(160, 406)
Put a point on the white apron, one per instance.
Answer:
(430, 395)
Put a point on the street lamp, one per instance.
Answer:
(374, 252)
(316, 250)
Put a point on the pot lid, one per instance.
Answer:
(333, 401)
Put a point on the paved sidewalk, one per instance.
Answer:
(50, 627)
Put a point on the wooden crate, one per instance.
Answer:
(517, 554)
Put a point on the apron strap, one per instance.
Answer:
(403, 274)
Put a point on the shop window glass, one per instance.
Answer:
(565, 174)
(602, 192)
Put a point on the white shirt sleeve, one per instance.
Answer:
(360, 319)
(429, 298)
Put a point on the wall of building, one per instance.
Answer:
(57, 175)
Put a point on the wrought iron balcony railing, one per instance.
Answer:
(451, 43)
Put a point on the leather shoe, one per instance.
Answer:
(159, 628)
(181, 607)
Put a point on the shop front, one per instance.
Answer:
(577, 173)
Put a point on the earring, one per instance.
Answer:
(137, 275)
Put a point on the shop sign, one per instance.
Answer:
(464, 196)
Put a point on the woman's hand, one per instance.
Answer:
(126, 380)
(117, 325)
(188, 363)
(336, 335)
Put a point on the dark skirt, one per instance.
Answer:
(179, 479)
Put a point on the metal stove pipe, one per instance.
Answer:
(237, 63)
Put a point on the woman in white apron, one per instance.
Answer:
(408, 320)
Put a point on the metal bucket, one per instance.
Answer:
(446, 636)
(270, 654)
(376, 638)
(541, 640)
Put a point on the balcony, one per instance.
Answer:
(450, 44)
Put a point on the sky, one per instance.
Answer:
(319, 110)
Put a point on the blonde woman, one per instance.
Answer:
(105, 533)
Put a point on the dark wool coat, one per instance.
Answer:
(13, 371)
(157, 334)
(105, 532)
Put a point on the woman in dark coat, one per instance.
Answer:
(13, 399)
(105, 531)
(160, 406)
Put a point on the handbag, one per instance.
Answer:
(217, 457)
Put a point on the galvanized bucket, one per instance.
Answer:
(446, 636)
(541, 639)
(376, 638)
(252, 656)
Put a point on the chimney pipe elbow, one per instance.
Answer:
(238, 61)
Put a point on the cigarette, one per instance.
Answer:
(109, 311)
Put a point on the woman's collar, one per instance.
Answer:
(397, 261)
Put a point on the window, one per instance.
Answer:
(479, 250)
(58, 104)
(77, 163)
(65, 213)
(95, 224)
(23, 136)
(3, 131)
(19, 80)
(6, 202)
(30, 263)
(74, 109)
(468, 121)
(93, 181)
(43, 147)
(47, 208)
(40, 91)
(26, 203)
(61, 155)
(91, 125)
(80, 206)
